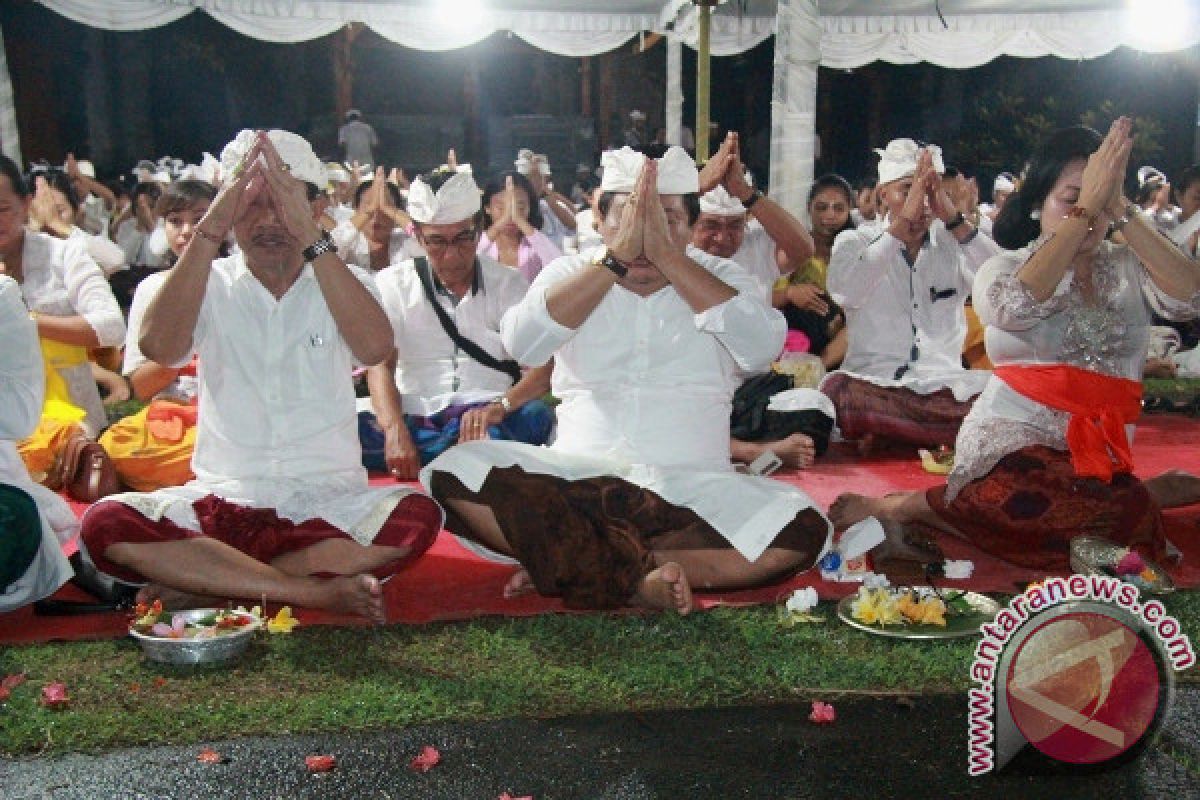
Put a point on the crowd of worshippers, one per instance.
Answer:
(590, 386)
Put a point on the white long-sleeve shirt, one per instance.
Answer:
(277, 423)
(62, 280)
(21, 387)
(431, 372)
(352, 246)
(905, 322)
(646, 387)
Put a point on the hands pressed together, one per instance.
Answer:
(1101, 193)
(643, 231)
(261, 172)
(726, 169)
(509, 216)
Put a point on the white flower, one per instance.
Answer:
(802, 600)
(873, 581)
(959, 570)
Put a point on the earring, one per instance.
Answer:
(1036, 214)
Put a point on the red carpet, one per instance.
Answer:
(449, 583)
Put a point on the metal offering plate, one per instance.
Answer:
(216, 649)
(983, 609)
(1091, 555)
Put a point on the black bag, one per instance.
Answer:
(750, 421)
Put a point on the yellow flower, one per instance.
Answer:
(926, 611)
(875, 607)
(283, 622)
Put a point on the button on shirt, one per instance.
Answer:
(905, 321)
(432, 373)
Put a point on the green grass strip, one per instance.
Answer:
(323, 679)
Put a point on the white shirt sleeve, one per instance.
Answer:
(859, 263)
(21, 379)
(528, 331)
(145, 292)
(90, 294)
(750, 330)
(107, 255)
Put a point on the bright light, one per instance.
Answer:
(1161, 25)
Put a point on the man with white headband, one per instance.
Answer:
(452, 379)
(558, 215)
(903, 285)
(636, 501)
(280, 497)
(730, 206)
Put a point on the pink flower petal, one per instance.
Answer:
(12, 681)
(54, 695)
(507, 796)
(1131, 564)
(427, 760)
(320, 763)
(209, 756)
(822, 712)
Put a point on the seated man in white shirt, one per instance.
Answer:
(739, 222)
(636, 501)
(558, 215)
(34, 521)
(280, 500)
(435, 393)
(376, 235)
(903, 285)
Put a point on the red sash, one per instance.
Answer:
(1100, 407)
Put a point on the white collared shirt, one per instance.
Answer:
(62, 280)
(645, 379)
(432, 373)
(890, 306)
(757, 256)
(276, 395)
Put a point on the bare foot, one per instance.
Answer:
(1174, 488)
(174, 599)
(666, 587)
(354, 594)
(850, 508)
(520, 583)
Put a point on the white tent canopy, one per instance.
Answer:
(833, 33)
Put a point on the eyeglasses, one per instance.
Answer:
(439, 244)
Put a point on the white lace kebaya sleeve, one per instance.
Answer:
(1003, 301)
(1162, 303)
(90, 294)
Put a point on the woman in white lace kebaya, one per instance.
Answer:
(1044, 454)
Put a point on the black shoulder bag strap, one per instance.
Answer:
(509, 367)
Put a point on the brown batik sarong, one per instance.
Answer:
(589, 541)
(896, 413)
(1030, 506)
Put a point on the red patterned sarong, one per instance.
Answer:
(1032, 503)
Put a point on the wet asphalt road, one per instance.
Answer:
(877, 748)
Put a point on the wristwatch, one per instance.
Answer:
(754, 197)
(504, 403)
(318, 248)
(617, 267)
(958, 219)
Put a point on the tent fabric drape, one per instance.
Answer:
(10, 138)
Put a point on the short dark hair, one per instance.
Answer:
(58, 179)
(9, 169)
(151, 189)
(691, 202)
(496, 185)
(182, 195)
(1186, 179)
(397, 198)
(1014, 227)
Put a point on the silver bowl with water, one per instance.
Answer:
(209, 650)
